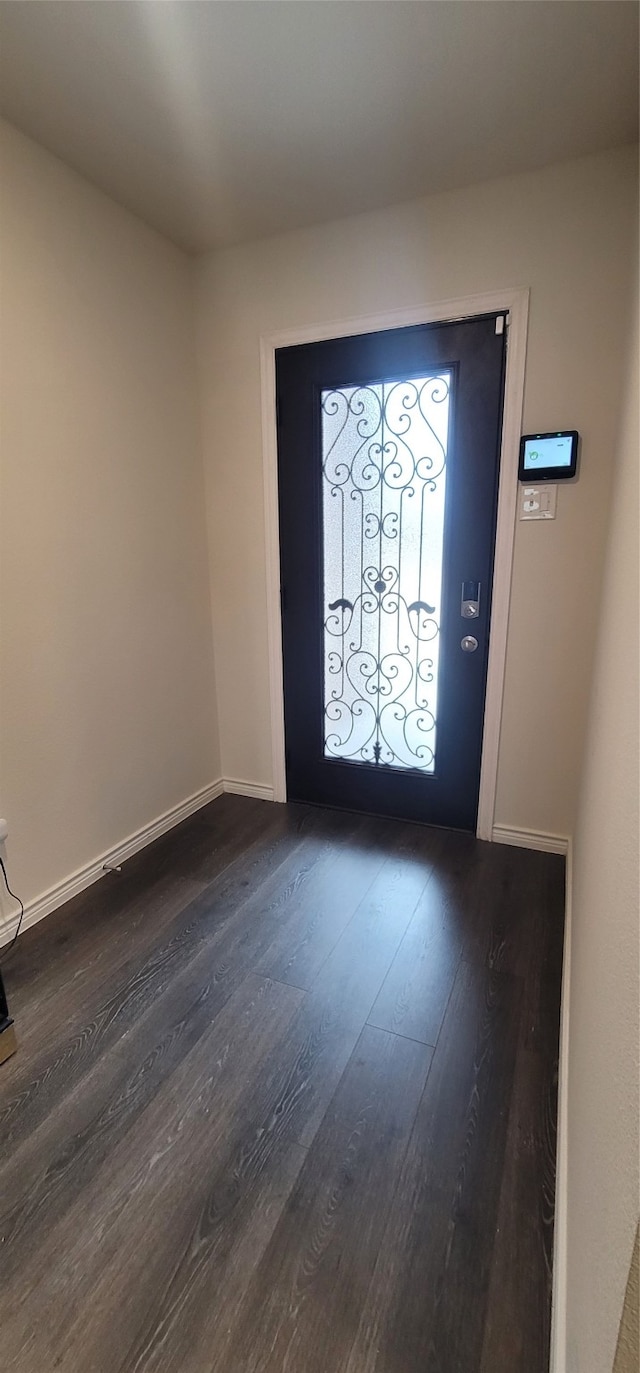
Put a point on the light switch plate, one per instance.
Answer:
(537, 502)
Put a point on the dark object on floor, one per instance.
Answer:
(8, 1042)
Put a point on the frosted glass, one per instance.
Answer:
(384, 450)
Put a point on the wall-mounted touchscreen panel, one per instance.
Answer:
(548, 457)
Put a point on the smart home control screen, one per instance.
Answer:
(554, 451)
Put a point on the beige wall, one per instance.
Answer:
(627, 1358)
(567, 232)
(108, 715)
(107, 706)
(602, 1098)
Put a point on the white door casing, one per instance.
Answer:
(514, 303)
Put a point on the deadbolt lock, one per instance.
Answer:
(470, 600)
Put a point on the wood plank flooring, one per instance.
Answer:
(284, 1102)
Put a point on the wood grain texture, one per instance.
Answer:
(413, 998)
(236, 913)
(84, 1274)
(426, 1304)
(227, 1142)
(322, 1254)
(44, 953)
(518, 1325)
(314, 924)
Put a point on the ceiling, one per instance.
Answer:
(219, 122)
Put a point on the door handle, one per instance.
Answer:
(469, 644)
(470, 602)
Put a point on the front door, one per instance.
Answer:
(388, 448)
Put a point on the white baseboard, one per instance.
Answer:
(558, 1362)
(49, 901)
(240, 788)
(530, 839)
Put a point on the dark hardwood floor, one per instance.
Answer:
(285, 1099)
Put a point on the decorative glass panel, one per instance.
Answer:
(384, 449)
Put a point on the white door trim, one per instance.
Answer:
(515, 303)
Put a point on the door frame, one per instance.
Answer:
(512, 302)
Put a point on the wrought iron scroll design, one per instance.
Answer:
(384, 473)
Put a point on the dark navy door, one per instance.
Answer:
(388, 448)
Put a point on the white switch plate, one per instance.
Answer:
(537, 502)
